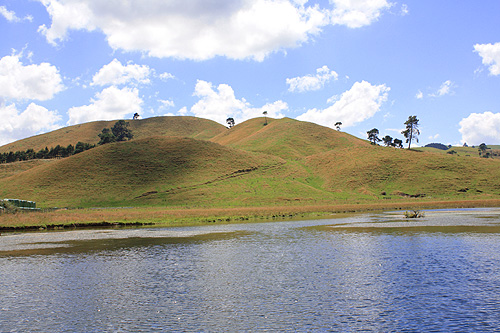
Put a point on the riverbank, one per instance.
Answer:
(162, 216)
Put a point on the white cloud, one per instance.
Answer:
(481, 127)
(434, 137)
(200, 29)
(166, 76)
(165, 104)
(115, 73)
(357, 13)
(8, 15)
(359, 103)
(445, 89)
(40, 82)
(404, 10)
(491, 56)
(311, 82)
(11, 16)
(220, 103)
(17, 124)
(110, 104)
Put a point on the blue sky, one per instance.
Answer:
(366, 63)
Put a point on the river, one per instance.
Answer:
(364, 272)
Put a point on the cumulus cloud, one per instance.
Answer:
(359, 103)
(481, 127)
(109, 104)
(357, 13)
(311, 82)
(200, 29)
(40, 82)
(17, 124)
(115, 73)
(491, 56)
(419, 95)
(219, 103)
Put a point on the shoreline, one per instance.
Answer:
(65, 219)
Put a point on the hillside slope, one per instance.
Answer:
(287, 138)
(132, 172)
(191, 127)
(373, 170)
(286, 162)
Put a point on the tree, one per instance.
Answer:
(397, 143)
(411, 132)
(482, 149)
(373, 136)
(121, 132)
(387, 140)
(265, 116)
(230, 122)
(106, 136)
(337, 125)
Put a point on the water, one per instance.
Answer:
(372, 272)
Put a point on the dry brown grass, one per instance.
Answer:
(191, 127)
(298, 165)
(177, 217)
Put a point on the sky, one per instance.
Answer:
(365, 63)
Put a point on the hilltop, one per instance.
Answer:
(199, 163)
(191, 127)
(287, 138)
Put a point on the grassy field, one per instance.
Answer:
(196, 165)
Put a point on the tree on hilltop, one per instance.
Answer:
(411, 132)
(387, 140)
(482, 150)
(373, 136)
(397, 143)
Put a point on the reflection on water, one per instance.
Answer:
(366, 272)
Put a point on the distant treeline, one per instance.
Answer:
(438, 146)
(54, 152)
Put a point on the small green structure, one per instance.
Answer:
(21, 204)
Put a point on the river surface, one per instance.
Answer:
(366, 272)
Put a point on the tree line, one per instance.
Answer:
(119, 132)
(43, 154)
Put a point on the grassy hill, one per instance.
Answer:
(286, 162)
(190, 127)
(373, 170)
(134, 172)
(288, 138)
